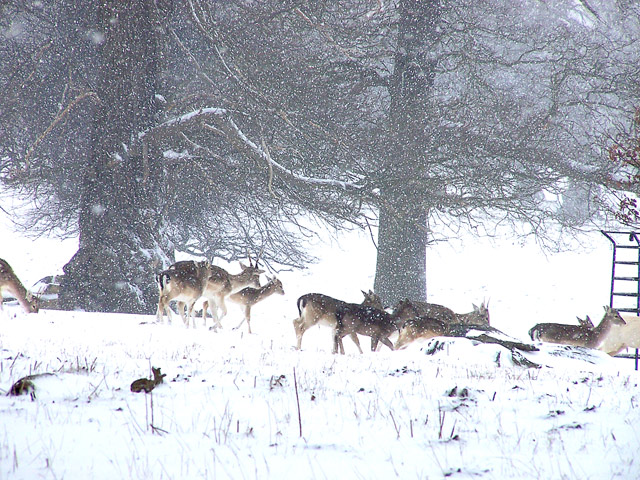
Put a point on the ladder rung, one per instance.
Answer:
(628, 310)
(627, 279)
(619, 262)
(635, 247)
(625, 294)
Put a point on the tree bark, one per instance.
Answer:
(118, 252)
(402, 236)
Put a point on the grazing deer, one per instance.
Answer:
(249, 296)
(221, 284)
(621, 337)
(183, 282)
(146, 385)
(410, 309)
(316, 308)
(577, 335)
(373, 322)
(420, 327)
(11, 283)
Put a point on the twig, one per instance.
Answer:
(295, 383)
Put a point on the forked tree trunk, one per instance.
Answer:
(114, 266)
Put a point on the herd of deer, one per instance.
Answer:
(185, 282)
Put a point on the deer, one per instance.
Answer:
(249, 296)
(411, 309)
(183, 282)
(145, 384)
(352, 318)
(220, 284)
(316, 308)
(577, 335)
(621, 337)
(11, 283)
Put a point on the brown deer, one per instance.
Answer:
(577, 335)
(183, 282)
(249, 296)
(220, 284)
(9, 282)
(411, 309)
(420, 327)
(316, 308)
(352, 318)
(145, 384)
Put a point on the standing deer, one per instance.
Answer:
(577, 335)
(373, 322)
(183, 282)
(220, 284)
(249, 296)
(316, 308)
(11, 283)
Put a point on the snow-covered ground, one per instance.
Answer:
(235, 405)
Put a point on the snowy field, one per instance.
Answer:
(244, 406)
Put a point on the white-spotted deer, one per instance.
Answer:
(577, 335)
(9, 282)
(249, 296)
(319, 309)
(183, 282)
(352, 318)
(221, 284)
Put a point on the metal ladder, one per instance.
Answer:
(625, 273)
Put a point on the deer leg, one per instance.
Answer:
(181, 311)
(374, 344)
(387, 342)
(355, 339)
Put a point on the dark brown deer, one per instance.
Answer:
(577, 335)
(9, 282)
(145, 384)
(249, 296)
(319, 309)
(352, 318)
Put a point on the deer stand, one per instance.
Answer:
(625, 275)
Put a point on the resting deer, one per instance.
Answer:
(249, 296)
(373, 322)
(11, 283)
(183, 282)
(411, 309)
(577, 335)
(146, 385)
(316, 308)
(221, 284)
(420, 327)
(621, 337)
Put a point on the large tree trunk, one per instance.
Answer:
(113, 268)
(402, 237)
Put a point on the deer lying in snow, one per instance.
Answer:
(248, 297)
(577, 335)
(146, 385)
(316, 308)
(412, 309)
(9, 282)
(621, 337)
